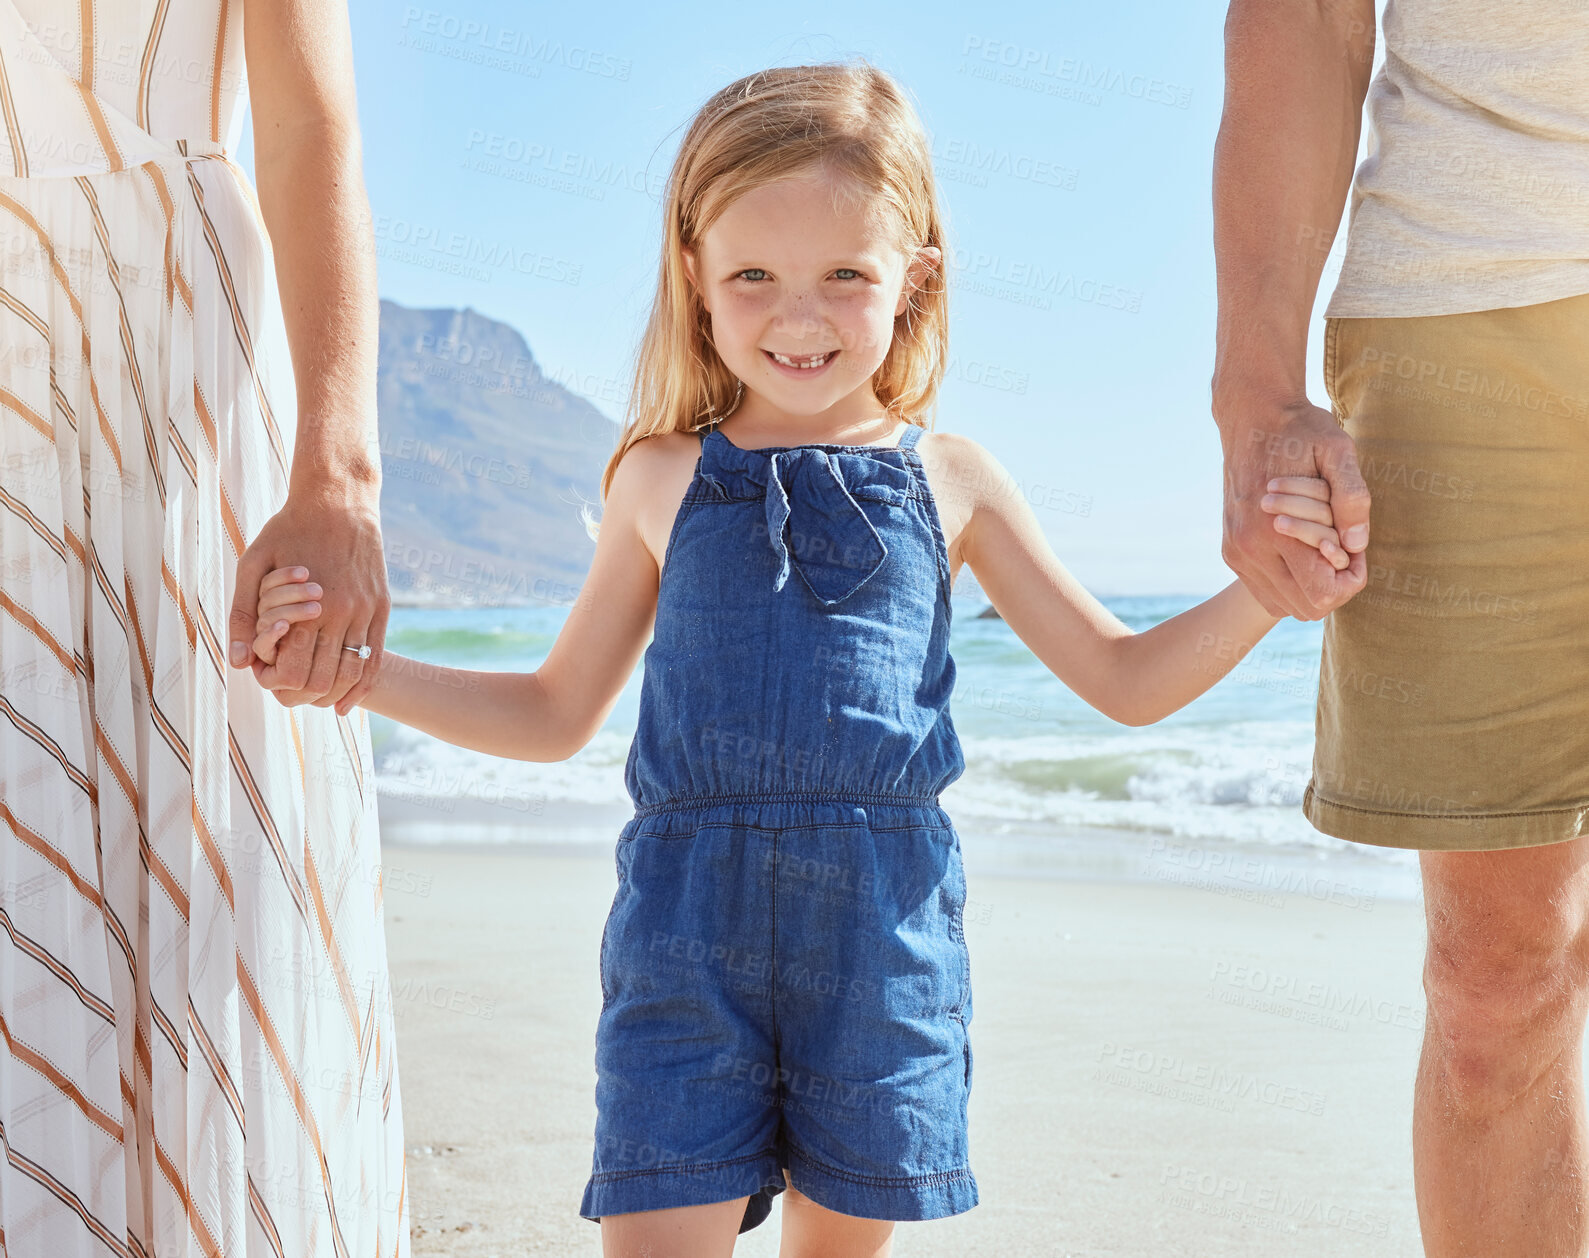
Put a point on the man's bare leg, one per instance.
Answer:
(1498, 1121)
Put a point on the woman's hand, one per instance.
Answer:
(339, 532)
(299, 65)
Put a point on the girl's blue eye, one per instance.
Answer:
(755, 273)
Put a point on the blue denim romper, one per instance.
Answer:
(784, 973)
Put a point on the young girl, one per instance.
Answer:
(785, 979)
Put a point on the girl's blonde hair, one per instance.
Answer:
(847, 118)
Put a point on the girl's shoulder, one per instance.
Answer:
(949, 445)
(661, 457)
(649, 484)
(959, 461)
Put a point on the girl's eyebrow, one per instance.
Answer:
(858, 259)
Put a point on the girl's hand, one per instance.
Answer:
(1301, 508)
(286, 596)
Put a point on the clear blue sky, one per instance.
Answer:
(543, 136)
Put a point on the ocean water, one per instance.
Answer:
(1227, 771)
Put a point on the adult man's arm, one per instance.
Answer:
(1296, 74)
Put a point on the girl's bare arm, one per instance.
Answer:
(1134, 678)
(551, 713)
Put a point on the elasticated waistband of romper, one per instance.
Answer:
(785, 810)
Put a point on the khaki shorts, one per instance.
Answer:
(1454, 688)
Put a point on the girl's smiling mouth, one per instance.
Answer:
(801, 364)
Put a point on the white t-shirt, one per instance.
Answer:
(1475, 191)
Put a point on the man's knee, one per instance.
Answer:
(1505, 998)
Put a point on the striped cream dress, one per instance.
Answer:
(196, 1044)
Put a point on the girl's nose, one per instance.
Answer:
(800, 319)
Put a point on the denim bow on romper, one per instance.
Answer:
(807, 497)
(784, 974)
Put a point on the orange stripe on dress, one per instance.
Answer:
(32, 1057)
(177, 597)
(19, 150)
(118, 770)
(43, 237)
(156, 29)
(228, 514)
(212, 854)
(142, 1052)
(201, 1230)
(74, 543)
(99, 410)
(28, 621)
(239, 323)
(76, 305)
(157, 866)
(245, 779)
(173, 264)
(129, 347)
(12, 402)
(402, 1196)
(85, 43)
(41, 846)
(143, 650)
(344, 984)
(107, 142)
(267, 1030)
(215, 76)
(350, 745)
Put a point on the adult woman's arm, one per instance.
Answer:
(307, 156)
(1296, 74)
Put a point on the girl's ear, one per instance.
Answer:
(923, 266)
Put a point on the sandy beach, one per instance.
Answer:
(1180, 1063)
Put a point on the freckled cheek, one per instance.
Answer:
(865, 326)
(741, 320)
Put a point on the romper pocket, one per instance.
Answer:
(603, 964)
(965, 1039)
(954, 890)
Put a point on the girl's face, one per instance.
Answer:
(803, 287)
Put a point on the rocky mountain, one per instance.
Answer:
(485, 464)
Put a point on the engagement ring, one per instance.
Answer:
(363, 651)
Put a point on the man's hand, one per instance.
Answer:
(1289, 575)
(1296, 76)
